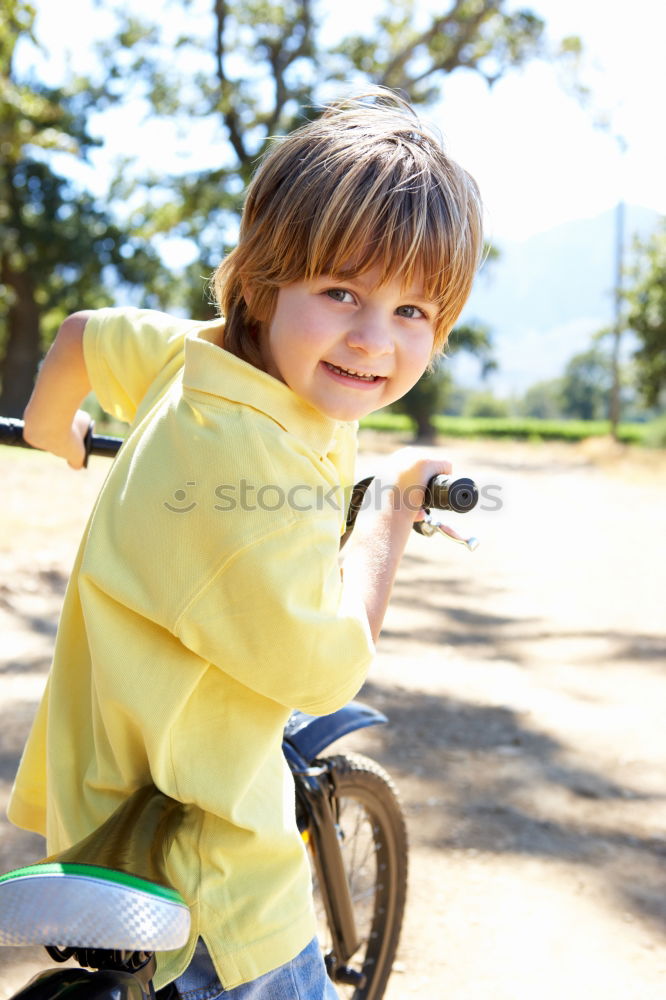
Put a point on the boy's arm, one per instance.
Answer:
(52, 418)
(375, 548)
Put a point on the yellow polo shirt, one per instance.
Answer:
(205, 603)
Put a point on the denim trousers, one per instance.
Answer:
(304, 978)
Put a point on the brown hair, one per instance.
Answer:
(363, 186)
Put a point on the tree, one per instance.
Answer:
(260, 68)
(264, 70)
(543, 400)
(486, 404)
(56, 242)
(646, 299)
(586, 384)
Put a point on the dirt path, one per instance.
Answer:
(525, 688)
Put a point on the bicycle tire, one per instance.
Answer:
(373, 838)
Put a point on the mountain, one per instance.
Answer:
(545, 297)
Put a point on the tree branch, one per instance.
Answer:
(400, 58)
(229, 114)
(281, 58)
(465, 30)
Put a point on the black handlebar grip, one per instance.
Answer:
(99, 444)
(460, 495)
(11, 432)
(88, 443)
(104, 445)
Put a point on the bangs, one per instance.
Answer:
(360, 188)
(396, 228)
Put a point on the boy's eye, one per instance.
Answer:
(411, 312)
(340, 294)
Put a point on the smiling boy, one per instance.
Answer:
(185, 641)
(350, 349)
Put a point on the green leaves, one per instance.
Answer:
(59, 247)
(247, 70)
(412, 54)
(646, 299)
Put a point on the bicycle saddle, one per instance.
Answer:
(108, 891)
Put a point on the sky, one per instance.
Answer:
(539, 155)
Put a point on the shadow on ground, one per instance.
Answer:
(478, 778)
(453, 623)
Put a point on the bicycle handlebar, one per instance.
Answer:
(100, 444)
(459, 495)
(11, 433)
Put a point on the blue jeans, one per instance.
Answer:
(304, 978)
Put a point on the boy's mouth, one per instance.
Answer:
(352, 373)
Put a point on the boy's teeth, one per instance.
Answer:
(347, 371)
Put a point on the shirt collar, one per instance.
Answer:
(211, 369)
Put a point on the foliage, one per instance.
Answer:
(519, 428)
(583, 389)
(646, 299)
(238, 74)
(263, 69)
(59, 246)
(586, 384)
(543, 400)
(485, 404)
(655, 433)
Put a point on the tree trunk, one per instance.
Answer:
(23, 349)
(424, 432)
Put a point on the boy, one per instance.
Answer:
(206, 601)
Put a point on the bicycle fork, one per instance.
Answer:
(315, 790)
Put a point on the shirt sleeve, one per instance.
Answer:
(274, 619)
(125, 350)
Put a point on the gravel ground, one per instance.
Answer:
(524, 684)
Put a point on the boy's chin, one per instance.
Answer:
(349, 414)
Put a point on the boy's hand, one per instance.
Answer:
(71, 446)
(394, 500)
(75, 453)
(405, 474)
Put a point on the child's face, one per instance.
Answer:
(347, 347)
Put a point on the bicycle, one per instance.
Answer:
(84, 903)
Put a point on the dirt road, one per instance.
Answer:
(525, 688)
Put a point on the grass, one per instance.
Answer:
(518, 428)
(652, 434)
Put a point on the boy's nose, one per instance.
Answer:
(370, 335)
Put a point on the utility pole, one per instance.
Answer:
(618, 325)
(618, 321)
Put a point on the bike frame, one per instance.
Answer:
(305, 737)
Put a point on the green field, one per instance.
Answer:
(652, 434)
(519, 428)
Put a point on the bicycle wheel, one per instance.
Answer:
(373, 839)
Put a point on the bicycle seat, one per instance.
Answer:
(108, 891)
